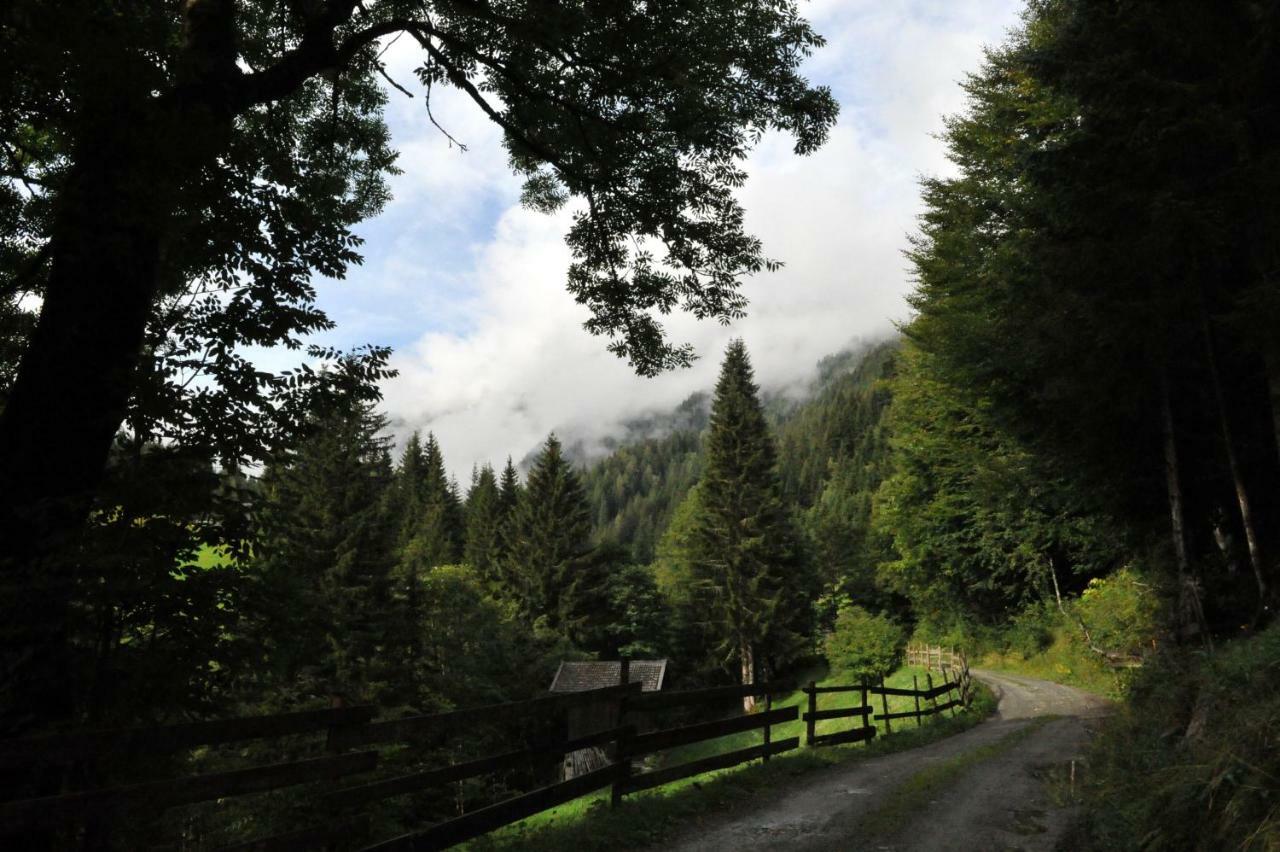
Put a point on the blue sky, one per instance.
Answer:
(469, 288)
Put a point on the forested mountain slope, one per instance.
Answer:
(830, 444)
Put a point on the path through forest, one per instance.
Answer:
(992, 787)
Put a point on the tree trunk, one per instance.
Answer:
(1273, 385)
(747, 656)
(1233, 463)
(133, 156)
(74, 382)
(1190, 609)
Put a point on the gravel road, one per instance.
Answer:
(1000, 802)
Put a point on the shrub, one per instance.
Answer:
(1030, 632)
(1121, 611)
(865, 645)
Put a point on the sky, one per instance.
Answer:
(469, 288)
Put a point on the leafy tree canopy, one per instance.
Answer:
(210, 157)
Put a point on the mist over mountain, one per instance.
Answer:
(648, 469)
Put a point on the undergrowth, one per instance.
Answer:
(1192, 761)
(1063, 659)
(1065, 641)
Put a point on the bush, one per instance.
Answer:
(865, 645)
(1121, 611)
(1030, 632)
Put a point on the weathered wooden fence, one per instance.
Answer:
(953, 690)
(639, 745)
(935, 657)
(952, 662)
(355, 742)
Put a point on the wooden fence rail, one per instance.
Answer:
(53, 749)
(352, 736)
(955, 681)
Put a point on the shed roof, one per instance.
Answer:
(580, 675)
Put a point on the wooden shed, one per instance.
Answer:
(582, 675)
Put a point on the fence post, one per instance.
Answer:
(810, 722)
(933, 700)
(768, 705)
(866, 720)
(915, 687)
(951, 687)
(884, 702)
(623, 757)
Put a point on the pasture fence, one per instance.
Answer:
(348, 767)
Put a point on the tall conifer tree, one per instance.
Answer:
(324, 556)
(431, 530)
(747, 558)
(508, 489)
(548, 542)
(484, 525)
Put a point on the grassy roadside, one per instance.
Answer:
(1065, 660)
(1190, 760)
(652, 816)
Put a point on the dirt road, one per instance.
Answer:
(985, 789)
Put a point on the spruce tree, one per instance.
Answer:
(324, 557)
(440, 526)
(548, 545)
(508, 490)
(430, 535)
(484, 526)
(405, 496)
(747, 558)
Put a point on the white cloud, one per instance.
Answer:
(500, 358)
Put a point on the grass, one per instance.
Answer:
(897, 704)
(1190, 760)
(1064, 660)
(913, 795)
(647, 818)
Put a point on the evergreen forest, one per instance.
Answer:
(1066, 461)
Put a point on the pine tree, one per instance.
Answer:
(508, 490)
(548, 545)
(430, 534)
(406, 496)
(746, 554)
(324, 557)
(484, 526)
(439, 523)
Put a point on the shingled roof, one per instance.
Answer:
(580, 675)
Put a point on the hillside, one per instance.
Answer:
(831, 433)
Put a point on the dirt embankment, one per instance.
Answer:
(985, 789)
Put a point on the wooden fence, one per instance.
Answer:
(355, 743)
(865, 712)
(932, 657)
(951, 662)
